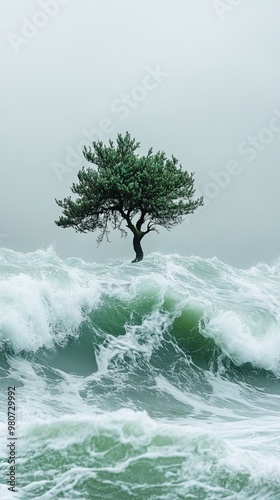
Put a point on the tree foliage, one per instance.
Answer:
(124, 185)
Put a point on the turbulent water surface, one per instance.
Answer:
(157, 380)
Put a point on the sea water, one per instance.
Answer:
(155, 380)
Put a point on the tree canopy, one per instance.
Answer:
(123, 186)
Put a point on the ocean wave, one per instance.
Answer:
(126, 451)
(206, 305)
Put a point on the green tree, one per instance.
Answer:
(125, 187)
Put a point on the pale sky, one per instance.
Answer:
(198, 79)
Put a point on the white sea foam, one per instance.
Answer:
(245, 343)
(43, 305)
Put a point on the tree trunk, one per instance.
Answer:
(137, 247)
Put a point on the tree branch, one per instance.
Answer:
(141, 220)
(150, 227)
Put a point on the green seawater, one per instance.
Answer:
(151, 381)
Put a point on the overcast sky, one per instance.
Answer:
(199, 79)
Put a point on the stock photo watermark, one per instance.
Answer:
(225, 7)
(48, 10)
(250, 148)
(121, 108)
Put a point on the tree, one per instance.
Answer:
(124, 186)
